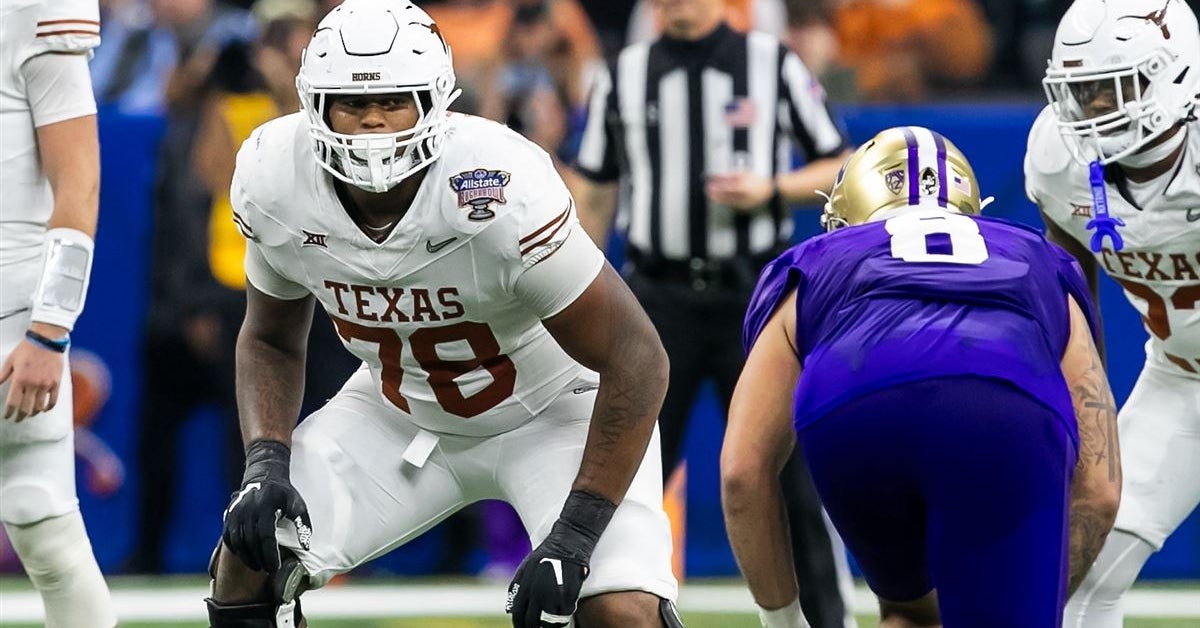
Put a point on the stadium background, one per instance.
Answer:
(990, 127)
(991, 135)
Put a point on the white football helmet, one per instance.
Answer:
(377, 47)
(1135, 62)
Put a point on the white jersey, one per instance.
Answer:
(1159, 266)
(29, 28)
(447, 310)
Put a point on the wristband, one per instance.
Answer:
(66, 270)
(57, 346)
(266, 450)
(789, 616)
(584, 517)
(587, 513)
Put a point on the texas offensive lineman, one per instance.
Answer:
(49, 183)
(504, 359)
(1121, 133)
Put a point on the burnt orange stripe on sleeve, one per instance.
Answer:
(561, 220)
(553, 221)
(49, 22)
(71, 32)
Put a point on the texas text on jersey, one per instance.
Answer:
(441, 309)
(1159, 265)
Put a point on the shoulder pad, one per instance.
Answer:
(266, 160)
(1046, 152)
(486, 160)
(264, 179)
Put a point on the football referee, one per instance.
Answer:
(698, 127)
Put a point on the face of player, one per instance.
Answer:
(1098, 98)
(373, 113)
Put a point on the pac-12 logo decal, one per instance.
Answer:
(894, 181)
(478, 189)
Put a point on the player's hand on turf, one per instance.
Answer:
(266, 496)
(545, 590)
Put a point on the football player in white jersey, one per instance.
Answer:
(49, 201)
(503, 358)
(1114, 164)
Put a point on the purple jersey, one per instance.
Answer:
(922, 295)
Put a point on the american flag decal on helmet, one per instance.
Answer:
(960, 184)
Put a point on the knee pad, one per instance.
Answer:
(669, 614)
(30, 500)
(259, 615)
(291, 580)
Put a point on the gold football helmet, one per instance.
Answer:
(908, 166)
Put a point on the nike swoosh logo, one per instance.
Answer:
(1193, 214)
(434, 248)
(253, 486)
(555, 564)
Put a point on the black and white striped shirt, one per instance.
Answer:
(669, 113)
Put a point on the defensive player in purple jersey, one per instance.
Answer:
(939, 370)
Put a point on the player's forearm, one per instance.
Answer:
(70, 156)
(632, 387)
(270, 387)
(1096, 484)
(1091, 521)
(799, 186)
(757, 524)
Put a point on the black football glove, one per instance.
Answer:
(545, 590)
(266, 496)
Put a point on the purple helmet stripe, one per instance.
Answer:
(914, 164)
(943, 188)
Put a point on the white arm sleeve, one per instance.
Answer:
(561, 275)
(266, 279)
(58, 87)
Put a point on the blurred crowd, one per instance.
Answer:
(527, 61)
(216, 69)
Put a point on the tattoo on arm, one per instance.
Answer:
(1089, 529)
(1096, 413)
(623, 403)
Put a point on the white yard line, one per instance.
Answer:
(367, 601)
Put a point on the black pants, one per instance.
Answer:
(701, 331)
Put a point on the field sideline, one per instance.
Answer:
(169, 602)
